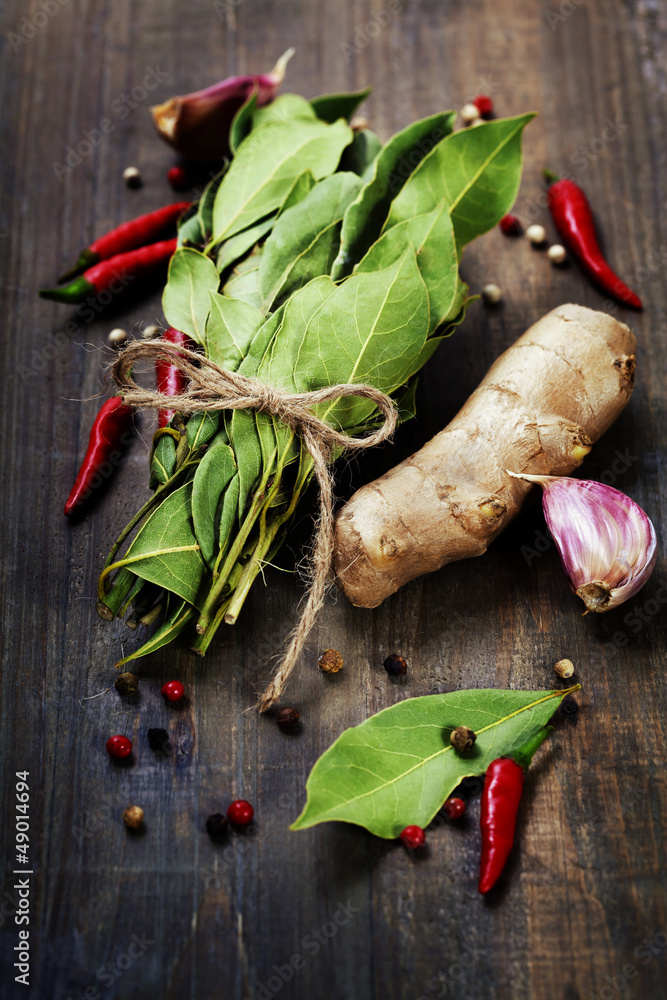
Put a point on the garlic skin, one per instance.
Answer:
(197, 125)
(606, 543)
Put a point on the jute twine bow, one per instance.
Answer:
(212, 387)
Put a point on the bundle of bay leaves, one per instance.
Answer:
(318, 256)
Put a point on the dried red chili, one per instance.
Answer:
(139, 232)
(503, 786)
(574, 221)
(117, 270)
(107, 438)
(169, 379)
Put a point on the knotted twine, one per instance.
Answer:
(212, 387)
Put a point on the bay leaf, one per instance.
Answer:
(476, 171)
(360, 155)
(392, 166)
(186, 297)
(244, 281)
(398, 767)
(234, 249)
(282, 109)
(432, 235)
(330, 107)
(231, 327)
(201, 427)
(214, 472)
(242, 121)
(304, 241)
(266, 165)
(163, 460)
(166, 552)
(206, 202)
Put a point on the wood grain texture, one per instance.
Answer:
(586, 884)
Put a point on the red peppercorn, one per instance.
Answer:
(454, 808)
(510, 225)
(240, 812)
(413, 837)
(119, 747)
(178, 178)
(484, 105)
(173, 690)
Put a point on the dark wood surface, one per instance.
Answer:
(585, 886)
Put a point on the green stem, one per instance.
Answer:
(203, 640)
(110, 604)
(216, 592)
(525, 753)
(549, 176)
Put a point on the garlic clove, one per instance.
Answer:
(606, 543)
(197, 125)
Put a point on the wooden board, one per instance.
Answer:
(585, 887)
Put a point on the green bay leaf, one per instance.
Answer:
(476, 171)
(166, 552)
(330, 107)
(266, 164)
(186, 298)
(391, 168)
(230, 329)
(398, 767)
(304, 240)
(214, 472)
(178, 616)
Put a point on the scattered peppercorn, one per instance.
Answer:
(484, 105)
(413, 837)
(492, 294)
(564, 668)
(556, 254)
(454, 807)
(331, 661)
(395, 665)
(536, 234)
(216, 826)
(132, 177)
(510, 225)
(126, 684)
(117, 337)
(287, 718)
(133, 817)
(240, 812)
(173, 690)
(157, 738)
(469, 112)
(119, 747)
(151, 332)
(462, 738)
(178, 178)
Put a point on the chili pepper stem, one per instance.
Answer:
(86, 259)
(549, 176)
(71, 294)
(525, 753)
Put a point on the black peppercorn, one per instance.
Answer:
(462, 738)
(216, 825)
(287, 718)
(395, 665)
(158, 739)
(126, 684)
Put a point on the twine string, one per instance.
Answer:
(211, 387)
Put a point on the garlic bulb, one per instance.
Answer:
(606, 542)
(197, 125)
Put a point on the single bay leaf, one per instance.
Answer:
(201, 427)
(242, 121)
(432, 235)
(186, 298)
(304, 240)
(228, 512)
(266, 165)
(231, 326)
(476, 171)
(235, 248)
(165, 550)
(244, 281)
(282, 109)
(392, 166)
(214, 472)
(206, 202)
(330, 107)
(398, 767)
(163, 460)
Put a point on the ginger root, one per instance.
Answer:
(539, 409)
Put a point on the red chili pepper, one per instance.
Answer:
(139, 232)
(117, 270)
(572, 215)
(169, 378)
(503, 786)
(104, 449)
